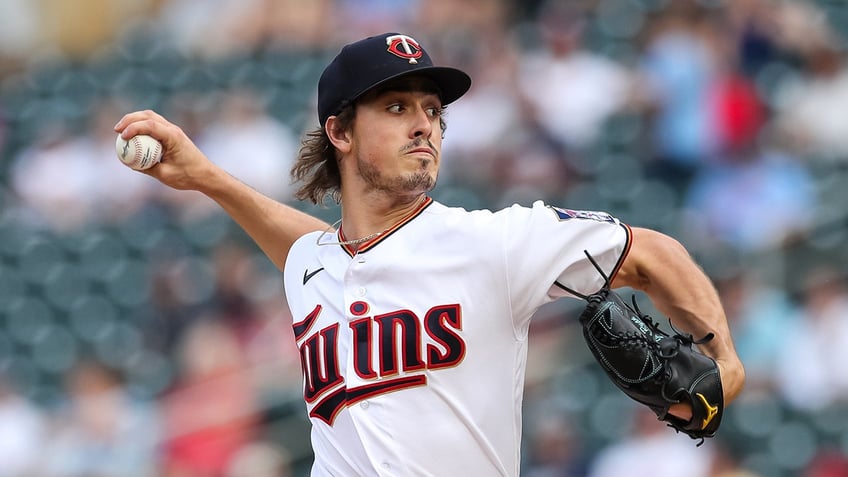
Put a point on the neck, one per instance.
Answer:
(364, 220)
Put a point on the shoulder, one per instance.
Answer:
(452, 216)
(542, 212)
(539, 211)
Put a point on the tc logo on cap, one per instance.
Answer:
(404, 47)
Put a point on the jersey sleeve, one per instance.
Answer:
(546, 249)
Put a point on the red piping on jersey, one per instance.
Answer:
(627, 245)
(371, 243)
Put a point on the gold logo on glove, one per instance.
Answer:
(711, 411)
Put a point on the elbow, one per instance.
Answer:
(650, 253)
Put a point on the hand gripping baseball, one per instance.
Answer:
(651, 366)
(183, 166)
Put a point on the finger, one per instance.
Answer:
(165, 132)
(150, 127)
(148, 117)
(136, 116)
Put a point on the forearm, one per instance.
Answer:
(274, 226)
(663, 269)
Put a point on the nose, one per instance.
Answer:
(422, 125)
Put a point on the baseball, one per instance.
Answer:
(139, 152)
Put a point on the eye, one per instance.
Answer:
(434, 112)
(395, 108)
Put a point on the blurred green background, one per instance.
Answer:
(143, 334)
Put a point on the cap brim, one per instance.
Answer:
(452, 82)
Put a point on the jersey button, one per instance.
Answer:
(386, 465)
(364, 405)
(361, 291)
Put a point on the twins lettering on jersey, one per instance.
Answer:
(406, 346)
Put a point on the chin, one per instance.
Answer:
(420, 182)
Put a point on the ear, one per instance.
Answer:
(340, 137)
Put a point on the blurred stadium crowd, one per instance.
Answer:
(142, 334)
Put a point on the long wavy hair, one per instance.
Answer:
(316, 166)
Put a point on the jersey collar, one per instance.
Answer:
(365, 246)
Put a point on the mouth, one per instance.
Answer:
(421, 146)
(422, 150)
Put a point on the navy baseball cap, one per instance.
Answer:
(362, 65)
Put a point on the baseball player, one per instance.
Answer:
(412, 316)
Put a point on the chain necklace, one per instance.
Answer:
(346, 242)
(372, 236)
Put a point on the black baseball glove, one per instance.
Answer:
(651, 366)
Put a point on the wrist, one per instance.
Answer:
(732, 375)
(211, 180)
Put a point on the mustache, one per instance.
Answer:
(418, 143)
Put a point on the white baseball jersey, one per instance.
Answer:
(414, 348)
